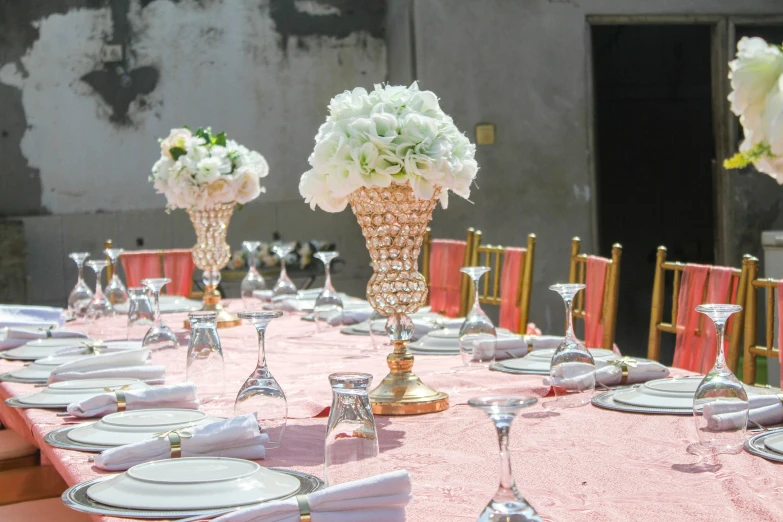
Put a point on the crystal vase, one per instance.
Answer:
(393, 223)
(210, 254)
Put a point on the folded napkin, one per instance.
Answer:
(101, 363)
(149, 373)
(238, 437)
(766, 410)
(84, 347)
(542, 342)
(21, 315)
(173, 396)
(507, 347)
(15, 336)
(381, 498)
(607, 373)
(350, 316)
(263, 295)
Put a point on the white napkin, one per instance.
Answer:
(542, 342)
(577, 375)
(507, 347)
(173, 396)
(350, 316)
(149, 373)
(381, 498)
(15, 336)
(766, 410)
(22, 315)
(263, 295)
(111, 361)
(80, 347)
(237, 438)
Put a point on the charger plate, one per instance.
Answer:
(606, 401)
(76, 498)
(756, 445)
(59, 439)
(500, 367)
(7, 377)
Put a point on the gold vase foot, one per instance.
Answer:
(225, 319)
(405, 394)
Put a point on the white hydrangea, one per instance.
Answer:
(393, 134)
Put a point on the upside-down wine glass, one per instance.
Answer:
(284, 285)
(206, 368)
(477, 335)
(99, 307)
(720, 405)
(508, 504)
(140, 313)
(159, 336)
(81, 295)
(115, 290)
(253, 280)
(572, 370)
(261, 395)
(328, 309)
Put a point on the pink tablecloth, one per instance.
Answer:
(579, 465)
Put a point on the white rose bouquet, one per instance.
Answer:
(393, 134)
(757, 98)
(198, 170)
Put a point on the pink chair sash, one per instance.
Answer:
(446, 258)
(139, 265)
(510, 278)
(178, 266)
(780, 328)
(595, 281)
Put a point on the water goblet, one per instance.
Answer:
(99, 307)
(720, 405)
(115, 290)
(477, 335)
(81, 295)
(508, 504)
(284, 285)
(572, 371)
(159, 336)
(253, 280)
(140, 313)
(261, 395)
(205, 365)
(328, 307)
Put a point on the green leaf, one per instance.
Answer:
(206, 134)
(240, 206)
(220, 139)
(176, 152)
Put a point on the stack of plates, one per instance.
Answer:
(61, 394)
(38, 372)
(537, 362)
(41, 348)
(768, 444)
(445, 342)
(169, 304)
(127, 427)
(186, 487)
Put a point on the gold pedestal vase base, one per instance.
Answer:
(225, 319)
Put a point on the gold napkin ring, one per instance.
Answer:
(121, 403)
(176, 444)
(304, 508)
(624, 368)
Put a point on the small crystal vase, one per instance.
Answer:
(393, 223)
(211, 253)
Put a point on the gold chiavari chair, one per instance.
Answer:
(426, 256)
(657, 324)
(751, 349)
(490, 292)
(577, 273)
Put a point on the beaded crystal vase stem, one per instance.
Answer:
(393, 222)
(210, 254)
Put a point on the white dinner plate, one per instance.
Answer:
(61, 394)
(446, 340)
(193, 483)
(169, 304)
(661, 393)
(31, 352)
(42, 368)
(539, 360)
(128, 427)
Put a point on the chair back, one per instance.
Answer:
(752, 351)
(176, 264)
(596, 306)
(441, 261)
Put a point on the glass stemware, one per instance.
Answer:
(99, 306)
(261, 395)
(351, 446)
(253, 280)
(572, 371)
(284, 285)
(720, 405)
(159, 336)
(205, 367)
(81, 295)
(328, 307)
(140, 313)
(508, 504)
(115, 290)
(477, 335)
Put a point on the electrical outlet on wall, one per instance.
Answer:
(111, 53)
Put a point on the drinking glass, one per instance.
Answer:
(261, 395)
(205, 367)
(81, 295)
(508, 504)
(253, 280)
(284, 285)
(159, 336)
(720, 406)
(140, 313)
(351, 446)
(99, 307)
(115, 290)
(572, 371)
(477, 335)
(328, 307)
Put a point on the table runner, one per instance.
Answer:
(585, 464)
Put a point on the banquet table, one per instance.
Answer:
(583, 464)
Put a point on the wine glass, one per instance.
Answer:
(140, 313)
(115, 290)
(261, 395)
(284, 285)
(159, 336)
(572, 371)
(508, 504)
(720, 405)
(477, 335)
(328, 306)
(253, 280)
(81, 295)
(205, 366)
(99, 307)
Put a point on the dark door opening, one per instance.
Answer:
(655, 148)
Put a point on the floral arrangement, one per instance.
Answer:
(394, 134)
(757, 98)
(198, 170)
(302, 255)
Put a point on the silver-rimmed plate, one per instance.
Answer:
(59, 439)
(7, 377)
(500, 367)
(76, 498)
(755, 446)
(606, 400)
(14, 403)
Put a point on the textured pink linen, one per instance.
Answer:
(595, 278)
(178, 266)
(141, 264)
(447, 256)
(510, 277)
(580, 465)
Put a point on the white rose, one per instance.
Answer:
(257, 163)
(753, 73)
(176, 138)
(247, 186)
(350, 104)
(161, 169)
(314, 189)
(222, 190)
(418, 128)
(209, 169)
